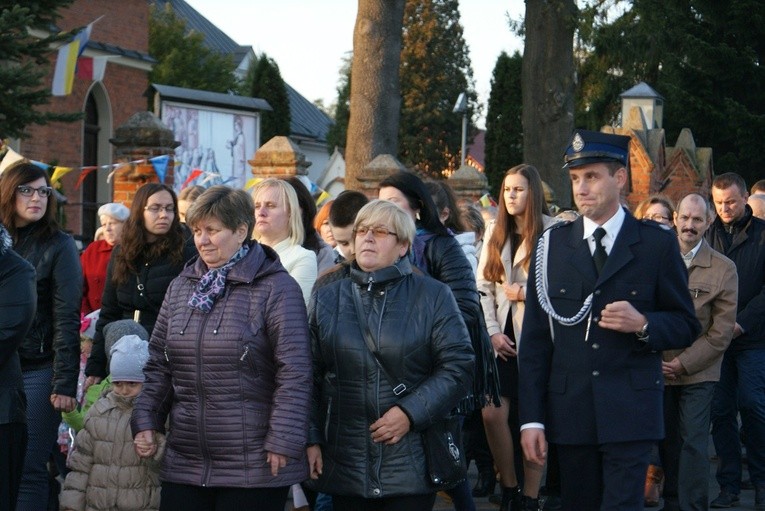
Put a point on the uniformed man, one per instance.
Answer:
(606, 294)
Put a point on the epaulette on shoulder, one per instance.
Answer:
(654, 224)
(558, 225)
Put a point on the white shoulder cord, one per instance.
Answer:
(544, 297)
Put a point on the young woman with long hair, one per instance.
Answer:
(152, 252)
(502, 272)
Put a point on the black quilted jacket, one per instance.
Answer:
(422, 338)
(235, 382)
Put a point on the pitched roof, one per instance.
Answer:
(641, 90)
(215, 38)
(202, 97)
(306, 119)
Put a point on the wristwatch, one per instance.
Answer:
(642, 334)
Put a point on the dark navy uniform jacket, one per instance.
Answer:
(607, 388)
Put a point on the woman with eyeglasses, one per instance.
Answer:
(50, 353)
(658, 208)
(151, 253)
(365, 447)
(95, 258)
(438, 254)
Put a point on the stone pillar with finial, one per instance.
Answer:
(468, 183)
(279, 158)
(143, 136)
(375, 171)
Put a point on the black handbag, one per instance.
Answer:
(442, 440)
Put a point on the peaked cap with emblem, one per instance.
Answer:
(595, 147)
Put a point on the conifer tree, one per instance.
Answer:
(338, 132)
(705, 58)
(434, 70)
(183, 60)
(265, 82)
(24, 63)
(504, 133)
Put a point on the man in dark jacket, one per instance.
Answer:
(18, 303)
(599, 309)
(741, 389)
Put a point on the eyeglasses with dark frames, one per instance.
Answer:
(379, 232)
(28, 191)
(156, 208)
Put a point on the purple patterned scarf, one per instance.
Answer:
(213, 283)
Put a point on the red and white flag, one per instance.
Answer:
(91, 68)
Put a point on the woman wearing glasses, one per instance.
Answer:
(365, 447)
(50, 353)
(657, 208)
(437, 254)
(151, 253)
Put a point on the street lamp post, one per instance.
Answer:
(460, 107)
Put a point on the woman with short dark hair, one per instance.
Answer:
(230, 367)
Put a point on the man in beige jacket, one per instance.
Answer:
(690, 374)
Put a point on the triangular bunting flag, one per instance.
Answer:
(194, 174)
(58, 173)
(9, 159)
(252, 182)
(83, 175)
(160, 166)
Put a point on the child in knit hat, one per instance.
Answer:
(106, 473)
(112, 333)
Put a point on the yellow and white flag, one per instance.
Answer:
(66, 62)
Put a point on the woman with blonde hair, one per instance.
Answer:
(365, 446)
(278, 224)
(502, 272)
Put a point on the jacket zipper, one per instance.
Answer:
(326, 420)
(200, 393)
(379, 378)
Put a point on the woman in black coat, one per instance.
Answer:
(152, 252)
(50, 352)
(365, 443)
(17, 309)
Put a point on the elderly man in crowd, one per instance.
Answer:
(690, 374)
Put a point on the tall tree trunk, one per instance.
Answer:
(375, 95)
(548, 89)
